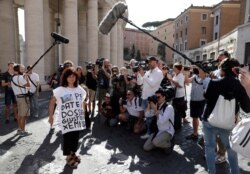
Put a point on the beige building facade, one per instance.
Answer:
(77, 20)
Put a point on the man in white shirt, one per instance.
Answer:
(34, 87)
(151, 80)
(132, 112)
(20, 85)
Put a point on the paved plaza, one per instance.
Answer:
(102, 149)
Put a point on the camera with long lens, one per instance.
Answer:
(209, 65)
(90, 66)
(99, 62)
(153, 99)
(60, 68)
(140, 65)
(122, 101)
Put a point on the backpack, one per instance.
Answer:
(240, 138)
(223, 115)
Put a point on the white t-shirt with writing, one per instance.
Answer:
(70, 106)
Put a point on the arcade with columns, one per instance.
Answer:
(77, 20)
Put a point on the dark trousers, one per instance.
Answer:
(70, 142)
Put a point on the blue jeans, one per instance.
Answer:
(151, 124)
(210, 134)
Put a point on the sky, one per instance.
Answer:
(142, 11)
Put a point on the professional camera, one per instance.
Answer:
(153, 99)
(122, 101)
(60, 68)
(99, 62)
(139, 65)
(130, 77)
(186, 68)
(89, 65)
(209, 65)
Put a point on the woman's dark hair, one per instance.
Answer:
(227, 65)
(65, 75)
(178, 66)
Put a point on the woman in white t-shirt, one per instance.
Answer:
(69, 98)
(179, 100)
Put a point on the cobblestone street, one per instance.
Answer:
(102, 149)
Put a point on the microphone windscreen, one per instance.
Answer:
(59, 37)
(111, 17)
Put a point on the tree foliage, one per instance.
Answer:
(138, 55)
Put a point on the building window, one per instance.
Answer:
(181, 22)
(203, 42)
(204, 57)
(185, 45)
(177, 36)
(212, 55)
(215, 35)
(203, 30)
(204, 16)
(186, 18)
(197, 58)
(186, 31)
(217, 20)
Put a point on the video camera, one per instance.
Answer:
(139, 65)
(209, 65)
(99, 62)
(90, 66)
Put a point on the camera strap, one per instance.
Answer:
(16, 83)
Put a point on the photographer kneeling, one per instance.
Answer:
(132, 112)
(165, 124)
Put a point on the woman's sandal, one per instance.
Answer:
(71, 162)
(76, 158)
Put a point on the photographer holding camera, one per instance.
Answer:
(131, 112)
(103, 78)
(165, 123)
(150, 117)
(20, 85)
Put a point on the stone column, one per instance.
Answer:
(83, 46)
(92, 30)
(34, 33)
(113, 45)
(48, 40)
(17, 42)
(105, 39)
(7, 34)
(70, 30)
(120, 43)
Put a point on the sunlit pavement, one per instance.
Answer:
(102, 150)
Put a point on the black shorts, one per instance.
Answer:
(196, 108)
(10, 97)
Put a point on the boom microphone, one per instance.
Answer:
(112, 16)
(60, 38)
